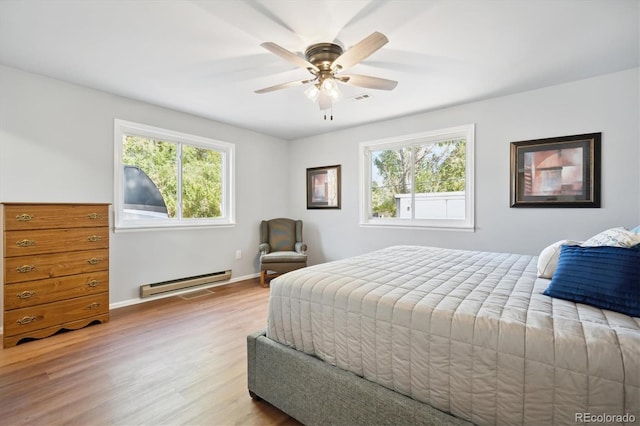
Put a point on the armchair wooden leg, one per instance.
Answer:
(262, 276)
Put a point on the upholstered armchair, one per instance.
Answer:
(281, 247)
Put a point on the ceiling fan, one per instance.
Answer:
(325, 61)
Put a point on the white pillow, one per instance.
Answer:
(548, 259)
(614, 237)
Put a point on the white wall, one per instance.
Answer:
(56, 145)
(609, 104)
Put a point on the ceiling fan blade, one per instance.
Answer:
(289, 56)
(283, 86)
(360, 51)
(324, 101)
(368, 82)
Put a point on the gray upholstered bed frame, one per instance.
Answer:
(317, 393)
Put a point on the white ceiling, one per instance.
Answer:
(204, 57)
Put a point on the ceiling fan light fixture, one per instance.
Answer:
(312, 93)
(330, 88)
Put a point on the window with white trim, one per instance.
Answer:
(166, 179)
(419, 180)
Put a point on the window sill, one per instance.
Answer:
(414, 225)
(171, 227)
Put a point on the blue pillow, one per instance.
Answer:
(636, 229)
(605, 277)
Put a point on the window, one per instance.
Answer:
(421, 180)
(170, 179)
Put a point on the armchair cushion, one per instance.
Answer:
(282, 235)
(283, 257)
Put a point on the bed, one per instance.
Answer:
(424, 335)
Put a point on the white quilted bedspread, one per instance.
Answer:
(468, 332)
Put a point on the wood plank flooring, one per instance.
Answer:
(169, 361)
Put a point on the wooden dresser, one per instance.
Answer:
(56, 268)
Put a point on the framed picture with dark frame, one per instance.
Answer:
(556, 172)
(323, 187)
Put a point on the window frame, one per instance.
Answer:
(227, 219)
(433, 136)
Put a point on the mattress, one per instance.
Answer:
(467, 332)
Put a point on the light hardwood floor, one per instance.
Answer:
(168, 361)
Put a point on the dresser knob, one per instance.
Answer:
(26, 294)
(25, 243)
(25, 268)
(93, 238)
(24, 217)
(94, 305)
(94, 261)
(93, 283)
(26, 320)
(94, 216)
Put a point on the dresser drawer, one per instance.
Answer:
(29, 268)
(41, 316)
(31, 293)
(46, 216)
(21, 243)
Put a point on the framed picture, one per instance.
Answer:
(323, 187)
(556, 172)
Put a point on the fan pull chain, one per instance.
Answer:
(331, 116)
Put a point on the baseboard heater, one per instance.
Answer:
(182, 283)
